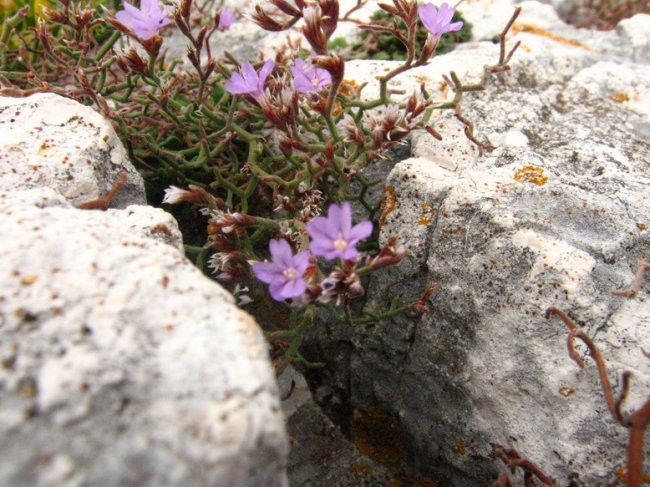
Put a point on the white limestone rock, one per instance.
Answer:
(47, 140)
(635, 34)
(120, 363)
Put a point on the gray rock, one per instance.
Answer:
(555, 215)
(120, 363)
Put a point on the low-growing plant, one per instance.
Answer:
(261, 148)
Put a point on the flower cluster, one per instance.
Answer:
(306, 79)
(332, 237)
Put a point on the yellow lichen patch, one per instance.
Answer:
(620, 97)
(566, 391)
(641, 226)
(28, 280)
(376, 435)
(428, 212)
(533, 29)
(388, 204)
(531, 174)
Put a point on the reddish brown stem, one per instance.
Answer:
(102, 203)
(637, 422)
(634, 288)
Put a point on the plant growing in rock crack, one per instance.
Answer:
(260, 147)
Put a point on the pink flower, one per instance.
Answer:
(285, 272)
(146, 21)
(334, 236)
(248, 81)
(438, 21)
(226, 19)
(308, 79)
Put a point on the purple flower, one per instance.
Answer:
(226, 19)
(146, 21)
(437, 21)
(309, 79)
(248, 81)
(334, 236)
(285, 273)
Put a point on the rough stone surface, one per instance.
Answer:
(120, 363)
(555, 214)
(47, 140)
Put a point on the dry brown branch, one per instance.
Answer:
(102, 203)
(514, 460)
(634, 288)
(637, 421)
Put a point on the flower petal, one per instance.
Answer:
(267, 272)
(359, 232)
(281, 253)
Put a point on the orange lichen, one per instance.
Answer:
(620, 97)
(533, 29)
(531, 174)
(641, 226)
(427, 482)
(566, 391)
(421, 482)
(388, 204)
(622, 474)
(428, 212)
(376, 435)
(460, 447)
(361, 468)
(160, 228)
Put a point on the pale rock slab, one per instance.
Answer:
(120, 363)
(47, 140)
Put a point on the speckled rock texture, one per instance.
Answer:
(120, 363)
(50, 141)
(555, 214)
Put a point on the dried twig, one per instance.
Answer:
(637, 421)
(514, 460)
(634, 288)
(102, 203)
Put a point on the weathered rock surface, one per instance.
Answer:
(121, 364)
(50, 141)
(555, 215)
